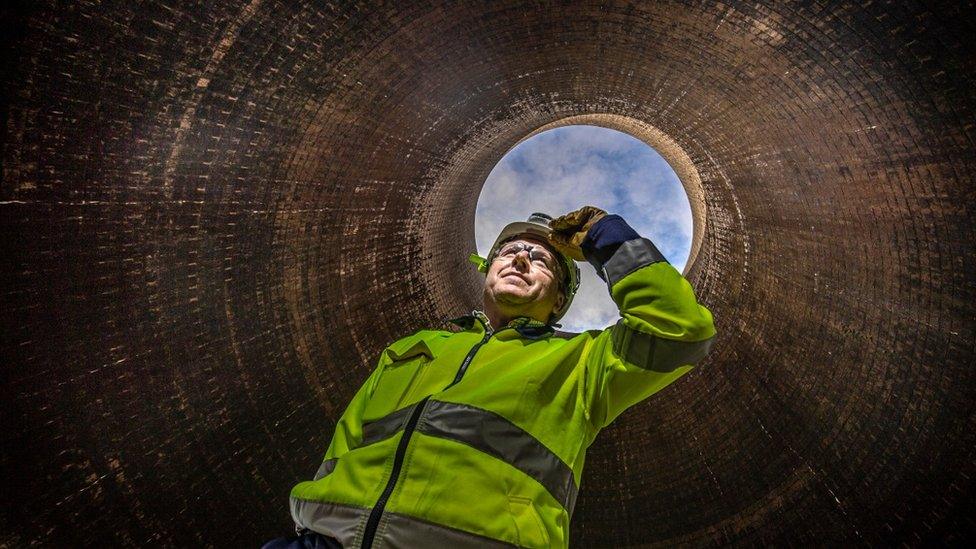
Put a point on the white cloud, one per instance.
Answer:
(563, 169)
(592, 306)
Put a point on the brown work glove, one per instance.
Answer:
(568, 231)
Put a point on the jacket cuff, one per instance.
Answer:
(616, 250)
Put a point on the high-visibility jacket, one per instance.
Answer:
(476, 438)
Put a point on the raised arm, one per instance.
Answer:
(663, 331)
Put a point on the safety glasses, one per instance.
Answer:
(537, 254)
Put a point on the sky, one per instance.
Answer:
(560, 170)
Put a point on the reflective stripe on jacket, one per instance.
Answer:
(477, 439)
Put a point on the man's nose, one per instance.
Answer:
(522, 259)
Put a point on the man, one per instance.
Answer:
(476, 438)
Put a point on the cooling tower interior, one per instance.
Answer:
(217, 214)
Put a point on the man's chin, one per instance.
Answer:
(512, 299)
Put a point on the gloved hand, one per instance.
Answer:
(568, 231)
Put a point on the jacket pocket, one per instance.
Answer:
(415, 373)
(528, 523)
(402, 380)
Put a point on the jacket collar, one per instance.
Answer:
(525, 326)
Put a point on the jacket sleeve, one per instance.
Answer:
(663, 331)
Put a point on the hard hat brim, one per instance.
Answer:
(520, 228)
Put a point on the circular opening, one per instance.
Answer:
(559, 170)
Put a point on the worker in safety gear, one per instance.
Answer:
(476, 436)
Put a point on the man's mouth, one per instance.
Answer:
(516, 275)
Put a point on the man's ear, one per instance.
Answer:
(560, 299)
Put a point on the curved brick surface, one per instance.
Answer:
(216, 214)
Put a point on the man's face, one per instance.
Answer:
(522, 278)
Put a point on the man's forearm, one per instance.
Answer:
(615, 249)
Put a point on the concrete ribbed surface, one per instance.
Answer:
(216, 215)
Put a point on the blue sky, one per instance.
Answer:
(560, 170)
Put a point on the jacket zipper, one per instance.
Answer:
(401, 451)
(468, 358)
(377, 513)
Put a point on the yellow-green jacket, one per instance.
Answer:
(476, 438)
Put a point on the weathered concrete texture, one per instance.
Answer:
(215, 215)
